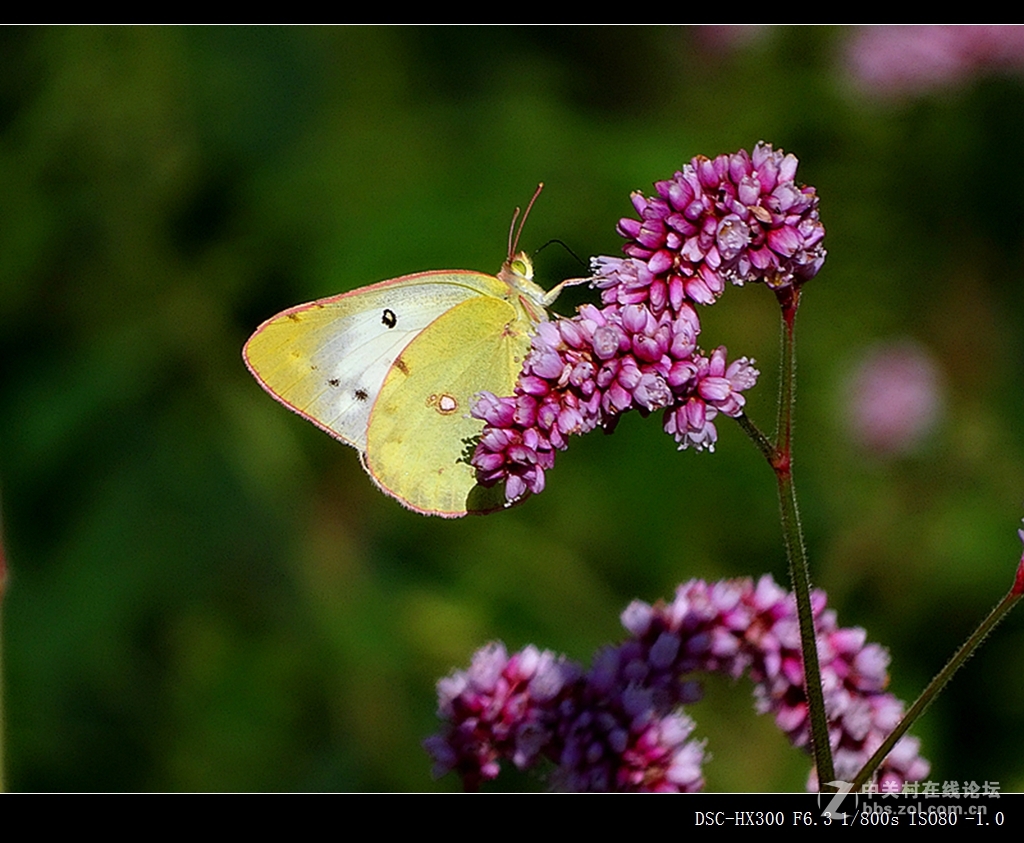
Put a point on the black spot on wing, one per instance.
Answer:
(361, 395)
(388, 318)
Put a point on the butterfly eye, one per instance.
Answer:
(388, 318)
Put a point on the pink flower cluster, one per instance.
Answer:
(619, 726)
(499, 708)
(736, 218)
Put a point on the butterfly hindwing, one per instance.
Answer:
(421, 424)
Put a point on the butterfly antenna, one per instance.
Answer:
(513, 242)
(511, 232)
(551, 295)
(565, 246)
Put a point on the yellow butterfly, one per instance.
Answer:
(393, 369)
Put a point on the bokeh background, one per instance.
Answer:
(206, 593)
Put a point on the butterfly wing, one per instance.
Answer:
(327, 360)
(420, 433)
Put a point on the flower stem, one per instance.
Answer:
(764, 444)
(939, 682)
(780, 458)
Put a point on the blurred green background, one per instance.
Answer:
(207, 593)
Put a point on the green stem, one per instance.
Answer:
(780, 458)
(763, 443)
(939, 682)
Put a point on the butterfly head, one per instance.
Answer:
(517, 273)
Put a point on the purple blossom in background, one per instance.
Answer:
(738, 218)
(619, 726)
(893, 399)
(895, 61)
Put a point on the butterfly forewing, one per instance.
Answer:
(327, 360)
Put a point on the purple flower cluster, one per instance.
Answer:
(619, 726)
(622, 730)
(737, 218)
(605, 730)
(499, 708)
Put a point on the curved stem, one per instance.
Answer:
(763, 443)
(939, 682)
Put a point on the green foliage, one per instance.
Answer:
(206, 593)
